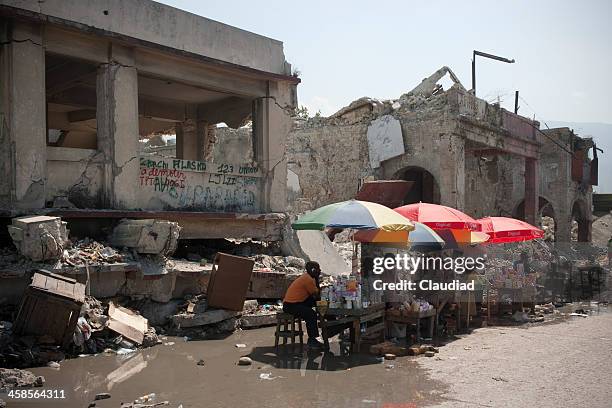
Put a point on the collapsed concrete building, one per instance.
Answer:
(455, 149)
(82, 81)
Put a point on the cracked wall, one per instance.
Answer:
(75, 175)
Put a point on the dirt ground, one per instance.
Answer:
(564, 364)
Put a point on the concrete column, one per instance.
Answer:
(452, 171)
(187, 140)
(531, 191)
(271, 126)
(206, 140)
(117, 119)
(563, 226)
(23, 130)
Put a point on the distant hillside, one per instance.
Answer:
(602, 134)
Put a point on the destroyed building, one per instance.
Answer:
(455, 149)
(83, 81)
(83, 84)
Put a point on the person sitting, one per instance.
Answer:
(300, 299)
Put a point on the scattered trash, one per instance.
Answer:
(123, 351)
(145, 398)
(240, 345)
(267, 376)
(245, 361)
(500, 379)
(579, 314)
(389, 366)
(429, 353)
(467, 348)
(390, 356)
(102, 395)
(201, 362)
(53, 364)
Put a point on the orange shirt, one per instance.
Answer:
(300, 289)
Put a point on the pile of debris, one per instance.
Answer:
(13, 378)
(88, 252)
(256, 315)
(202, 323)
(285, 264)
(56, 320)
(110, 328)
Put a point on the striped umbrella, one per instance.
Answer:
(421, 238)
(353, 214)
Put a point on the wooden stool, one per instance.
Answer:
(288, 326)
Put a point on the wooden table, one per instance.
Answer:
(336, 320)
(413, 318)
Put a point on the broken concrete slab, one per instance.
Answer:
(148, 236)
(250, 321)
(157, 313)
(127, 323)
(317, 247)
(385, 140)
(184, 320)
(39, 238)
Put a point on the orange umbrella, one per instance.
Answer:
(504, 229)
(439, 217)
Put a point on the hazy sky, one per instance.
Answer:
(348, 49)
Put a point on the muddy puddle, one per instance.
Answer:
(291, 379)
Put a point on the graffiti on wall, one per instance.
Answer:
(192, 184)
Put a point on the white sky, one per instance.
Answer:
(348, 49)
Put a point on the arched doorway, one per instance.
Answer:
(546, 212)
(425, 188)
(548, 222)
(581, 226)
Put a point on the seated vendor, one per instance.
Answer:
(300, 299)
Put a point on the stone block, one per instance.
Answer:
(184, 320)
(248, 321)
(39, 238)
(147, 236)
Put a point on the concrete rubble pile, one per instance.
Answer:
(87, 252)
(195, 320)
(259, 315)
(285, 264)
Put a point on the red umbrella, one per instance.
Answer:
(503, 229)
(438, 216)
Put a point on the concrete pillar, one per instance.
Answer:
(531, 191)
(207, 138)
(271, 126)
(452, 171)
(187, 145)
(117, 119)
(563, 225)
(23, 129)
